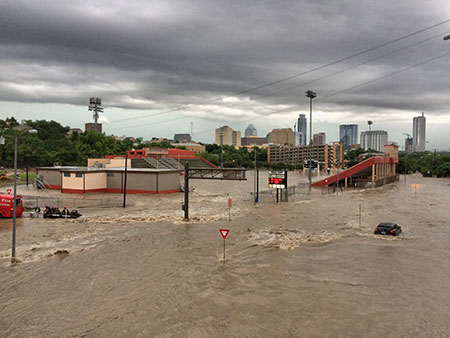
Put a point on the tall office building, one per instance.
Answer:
(419, 124)
(297, 138)
(182, 137)
(227, 136)
(251, 131)
(319, 139)
(348, 135)
(409, 145)
(374, 139)
(301, 128)
(282, 137)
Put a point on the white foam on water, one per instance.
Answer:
(289, 239)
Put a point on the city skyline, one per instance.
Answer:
(227, 70)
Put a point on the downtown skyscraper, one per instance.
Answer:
(419, 133)
(348, 135)
(301, 129)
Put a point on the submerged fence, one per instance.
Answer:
(32, 202)
(270, 195)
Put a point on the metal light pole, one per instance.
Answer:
(408, 136)
(221, 150)
(311, 95)
(13, 246)
(125, 181)
(370, 134)
(254, 182)
(338, 157)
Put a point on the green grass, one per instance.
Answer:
(31, 176)
(23, 177)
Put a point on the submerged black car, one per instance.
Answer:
(388, 229)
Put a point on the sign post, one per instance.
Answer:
(224, 233)
(278, 180)
(360, 215)
(230, 203)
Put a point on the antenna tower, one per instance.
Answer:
(95, 106)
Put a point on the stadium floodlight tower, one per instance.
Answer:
(369, 143)
(311, 95)
(95, 106)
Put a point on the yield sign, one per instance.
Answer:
(224, 233)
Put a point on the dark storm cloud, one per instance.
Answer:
(150, 54)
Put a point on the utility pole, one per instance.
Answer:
(311, 95)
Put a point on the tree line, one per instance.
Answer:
(53, 145)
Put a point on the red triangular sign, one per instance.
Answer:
(224, 232)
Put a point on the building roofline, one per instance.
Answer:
(119, 169)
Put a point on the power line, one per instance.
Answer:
(329, 75)
(296, 86)
(344, 90)
(292, 76)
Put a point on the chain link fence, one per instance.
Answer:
(32, 202)
(283, 194)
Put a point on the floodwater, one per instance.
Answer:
(303, 268)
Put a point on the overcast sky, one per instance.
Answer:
(160, 65)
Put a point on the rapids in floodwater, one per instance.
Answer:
(302, 268)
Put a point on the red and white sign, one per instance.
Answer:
(224, 232)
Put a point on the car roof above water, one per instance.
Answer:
(387, 224)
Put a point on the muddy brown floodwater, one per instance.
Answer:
(303, 268)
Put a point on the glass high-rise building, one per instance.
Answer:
(251, 131)
(348, 135)
(301, 128)
(419, 125)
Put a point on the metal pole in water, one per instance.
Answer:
(360, 214)
(186, 191)
(257, 185)
(224, 251)
(125, 180)
(287, 191)
(254, 182)
(13, 249)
